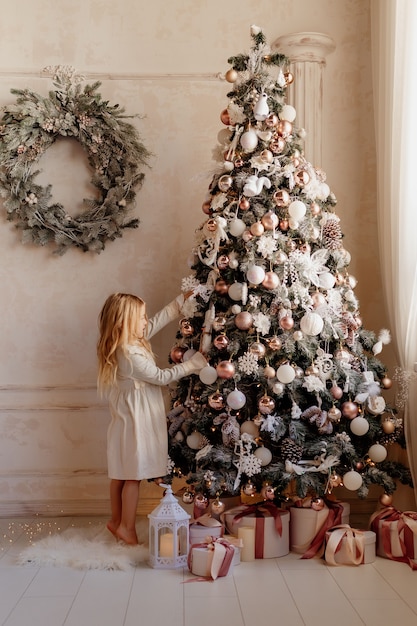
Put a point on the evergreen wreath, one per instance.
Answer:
(114, 151)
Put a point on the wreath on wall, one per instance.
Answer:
(114, 151)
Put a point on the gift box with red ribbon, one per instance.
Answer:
(308, 526)
(396, 535)
(213, 559)
(271, 526)
(349, 546)
(205, 526)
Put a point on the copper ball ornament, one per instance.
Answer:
(277, 145)
(217, 507)
(317, 504)
(302, 178)
(216, 401)
(225, 117)
(188, 497)
(281, 198)
(336, 391)
(257, 229)
(268, 492)
(269, 372)
(284, 128)
(223, 262)
(266, 405)
(350, 410)
(286, 322)
(271, 280)
(244, 320)
(177, 353)
(258, 349)
(284, 225)
(225, 370)
(206, 207)
(249, 489)
(274, 343)
(225, 182)
(270, 220)
(266, 156)
(289, 78)
(221, 342)
(388, 426)
(201, 501)
(315, 208)
(244, 204)
(271, 120)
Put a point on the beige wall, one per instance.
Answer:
(157, 59)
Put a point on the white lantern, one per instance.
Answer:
(168, 533)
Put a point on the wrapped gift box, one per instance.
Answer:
(267, 521)
(396, 535)
(213, 559)
(349, 546)
(308, 526)
(205, 526)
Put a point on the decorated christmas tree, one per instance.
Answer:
(291, 404)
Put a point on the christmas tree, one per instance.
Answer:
(291, 404)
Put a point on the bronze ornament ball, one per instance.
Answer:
(386, 499)
(231, 76)
(225, 369)
(216, 401)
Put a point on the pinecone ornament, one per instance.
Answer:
(291, 451)
(332, 235)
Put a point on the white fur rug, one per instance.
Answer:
(86, 548)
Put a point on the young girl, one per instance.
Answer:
(137, 445)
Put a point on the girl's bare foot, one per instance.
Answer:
(112, 527)
(127, 536)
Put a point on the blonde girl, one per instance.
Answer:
(129, 377)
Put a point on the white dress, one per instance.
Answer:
(137, 440)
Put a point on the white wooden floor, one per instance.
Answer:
(286, 591)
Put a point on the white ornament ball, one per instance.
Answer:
(236, 308)
(255, 274)
(179, 436)
(250, 428)
(195, 440)
(264, 455)
(359, 426)
(188, 354)
(327, 280)
(235, 291)
(287, 113)
(278, 388)
(236, 399)
(237, 227)
(297, 210)
(377, 453)
(298, 335)
(208, 375)
(311, 324)
(285, 373)
(293, 224)
(352, 480)
(249, 140)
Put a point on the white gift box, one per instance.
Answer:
(199, 532)
(274, 544)
(306, 523)
(360, 550)
(394, 537)
(201, 561)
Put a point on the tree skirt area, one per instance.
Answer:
(92, 547)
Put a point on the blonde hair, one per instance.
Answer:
(118, 328)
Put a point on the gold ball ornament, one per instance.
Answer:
(258, 349)
(284, 128)
(274, 343)
(334, 414)
(317, 504)
(268, 492)
(244, 320)
(231, 76)
(386, 382)
(257, 229)
(217, 507)
(188, 497)
(388, 426)
(244, 204)
(386, 499)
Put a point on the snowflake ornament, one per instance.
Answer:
(248, 363)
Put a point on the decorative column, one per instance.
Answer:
(307, 54)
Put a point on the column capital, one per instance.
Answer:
(307, 46)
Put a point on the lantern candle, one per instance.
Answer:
(247, 534)
(166, 547)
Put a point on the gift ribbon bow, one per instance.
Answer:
(380, 523)
(334, 518)
(260, 511)
(206, 520)
(222, 557)
(354, 542)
